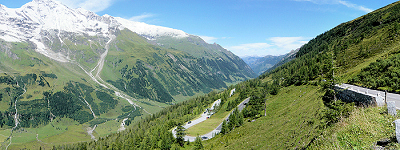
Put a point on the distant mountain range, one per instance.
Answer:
(250, 59)
(261, 64)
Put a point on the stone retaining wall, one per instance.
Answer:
(359, 98)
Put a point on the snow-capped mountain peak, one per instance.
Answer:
(34, 19)
(2, 7)
(29, 22)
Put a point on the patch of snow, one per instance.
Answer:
(10, 38)
(151, 32)
(41, 48)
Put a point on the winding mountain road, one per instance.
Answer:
(203, 117)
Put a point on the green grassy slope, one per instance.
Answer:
(295, 112)
(291, 121)
(361, 130)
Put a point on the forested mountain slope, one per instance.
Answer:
(346, 46)
(149, 71)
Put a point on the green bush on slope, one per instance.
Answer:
(384, 74)
(361, 130)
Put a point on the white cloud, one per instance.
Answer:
(142, 17)
(276, 46)
(91, 5)
(339, 2)
(351, 5)
(208, 39)
(250, 49)
(250, 46)
(289, 43)
(211, 39)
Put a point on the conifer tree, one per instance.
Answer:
(330, 80)
(232, 121)
(240, 119)
(166, 141)
(180, 134)
(236, 117)
(224, 128)
(198, 144)
(145, 143)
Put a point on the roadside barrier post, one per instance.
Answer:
(397, 122)
(391, 108)
(386, 97)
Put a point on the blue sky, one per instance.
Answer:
(245, 27)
